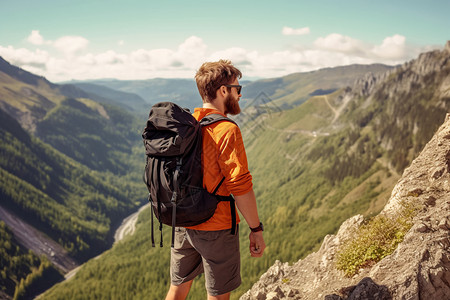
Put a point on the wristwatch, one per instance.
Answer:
(259, 228)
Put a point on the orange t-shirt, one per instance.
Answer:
(223, 155)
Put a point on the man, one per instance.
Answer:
(210, 247)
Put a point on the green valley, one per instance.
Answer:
(73, 175)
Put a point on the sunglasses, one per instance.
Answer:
(238, 87)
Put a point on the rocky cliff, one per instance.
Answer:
(410, 74)
(419, 268)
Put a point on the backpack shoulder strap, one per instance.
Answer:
(213, 118)
(208, 120)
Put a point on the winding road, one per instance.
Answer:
(38, 242)
(128, 225)
(41, 244)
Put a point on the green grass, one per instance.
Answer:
(25, 97)
(376, 239)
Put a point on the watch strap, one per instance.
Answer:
(258, 228)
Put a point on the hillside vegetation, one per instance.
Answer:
(22, 272)
(128, 101)
(99, 136)
(314, 166)
(72, 204)
(69, 167)
(401, 253)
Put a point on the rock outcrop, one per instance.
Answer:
(418, 269)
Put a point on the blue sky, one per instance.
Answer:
(139, 39)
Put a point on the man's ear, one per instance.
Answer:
(222, 91)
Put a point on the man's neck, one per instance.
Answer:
(212, 106)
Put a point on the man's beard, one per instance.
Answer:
(231, 105)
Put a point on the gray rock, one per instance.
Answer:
(421, 228)
(333, 297)
(369, 290)
(443, 224)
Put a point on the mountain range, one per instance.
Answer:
(322, 147)
(289, 90)
(182, 91)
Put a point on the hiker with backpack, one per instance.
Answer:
(210, 243)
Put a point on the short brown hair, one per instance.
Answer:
(212, 75)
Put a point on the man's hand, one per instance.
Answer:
(257, 244)
(247, 206)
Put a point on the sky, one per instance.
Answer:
(142, 39)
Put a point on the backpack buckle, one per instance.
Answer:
(174, 198)
(179, 163)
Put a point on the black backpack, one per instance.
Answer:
(173, 172)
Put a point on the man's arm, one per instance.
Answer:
(247, 206)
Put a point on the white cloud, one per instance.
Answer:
(393, 47)
(75, 61)
(70, 45)
(339, 43)
(35, 38)
(292, 61)
(291, 31)
(191, 51)
(23, 56)
(192, 45)
(239, 56)
(110, 58)
(153, 59)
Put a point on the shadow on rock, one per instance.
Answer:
(366, 289)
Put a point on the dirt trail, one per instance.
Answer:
(337, 112)
(37, 241)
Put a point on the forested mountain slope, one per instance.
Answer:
(23, 273)
(402, 253)
(129, 101)
(97, 135)
(72, 204)
(314, 166)
(340, 154)
(69, 167)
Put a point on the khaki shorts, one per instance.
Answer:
(215, 253)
